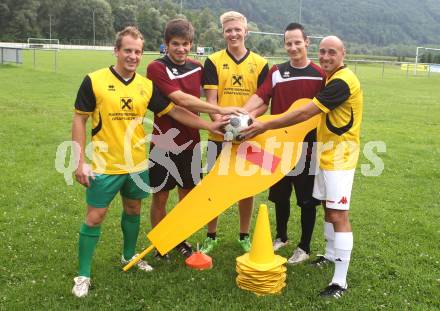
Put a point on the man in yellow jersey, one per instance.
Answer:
(230, 77)
(340, 105)
(116, 99)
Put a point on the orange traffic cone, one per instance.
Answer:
(199, 261)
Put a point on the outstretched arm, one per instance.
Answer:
(293, 117)
(195, 104)
(190, 119)
(255, 106)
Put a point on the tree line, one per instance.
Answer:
(374, 27)
(96, 21)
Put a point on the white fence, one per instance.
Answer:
(56, 46)
(381, 68)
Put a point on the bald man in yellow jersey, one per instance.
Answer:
(340, 104)
(116, 99)
(230, 77)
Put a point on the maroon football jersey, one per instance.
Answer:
(168, 78)
(285, 84)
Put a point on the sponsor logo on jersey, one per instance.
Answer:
(237, 80)
(126, 103)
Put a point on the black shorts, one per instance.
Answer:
(302, 181)
(213, 150)
(303, 185)
(168, 170)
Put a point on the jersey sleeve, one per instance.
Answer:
(85, 102)
(210, 77)
(334, 94)
(265, 89)
(263, 74)
(159, 104)
(157, 72)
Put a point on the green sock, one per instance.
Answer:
(130, 228)
(88, 238)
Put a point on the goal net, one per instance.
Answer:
(43, 43)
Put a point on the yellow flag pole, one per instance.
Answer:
(138, 257)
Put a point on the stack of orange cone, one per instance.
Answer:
(261, 271)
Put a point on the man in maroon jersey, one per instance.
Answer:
(179, 78)
(287, 82)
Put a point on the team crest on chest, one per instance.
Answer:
(141, 88)
(225, 66)
(286, 74)
(252, 68)
(126, 103)
(175, 71)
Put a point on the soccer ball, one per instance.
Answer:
(235, 126)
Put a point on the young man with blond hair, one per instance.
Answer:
(117, 98)
(230, 77)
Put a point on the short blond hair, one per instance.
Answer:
(128, 31)
(233, 16)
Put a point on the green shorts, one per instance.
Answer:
(104, 188)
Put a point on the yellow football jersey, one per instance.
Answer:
(341, 102)
(235, 80)
(117, 108)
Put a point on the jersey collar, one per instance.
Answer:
(168, 60)
(238, 62)
(336, 70)
(120, 78)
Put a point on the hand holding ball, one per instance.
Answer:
(235, 126)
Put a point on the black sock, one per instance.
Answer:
(212, 235)
(282, 210)
(308, 216)
(243, 235)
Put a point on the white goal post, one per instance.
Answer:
(417, 56)
(43, 43)
(279, 34)
(313, 39)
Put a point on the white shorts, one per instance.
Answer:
(334, 187)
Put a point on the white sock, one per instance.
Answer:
(329, 235)
(343, 247)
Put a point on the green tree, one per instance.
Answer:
(21, 19)
(151, 24)
(212, 37)
(77, 21)
(4, 17)
(124, 16)
(49, 15)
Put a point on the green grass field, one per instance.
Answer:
(395, 216)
